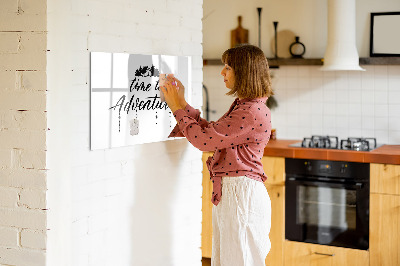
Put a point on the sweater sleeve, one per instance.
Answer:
(193, 113)
(231, 130)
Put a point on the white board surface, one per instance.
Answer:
(125, 100)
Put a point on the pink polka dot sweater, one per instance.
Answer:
(238, 139)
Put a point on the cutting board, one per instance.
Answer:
(239, 35)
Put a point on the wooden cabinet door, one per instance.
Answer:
(384, 237)
(385, 178)
(206, 226)
(274, 168)
(277, 233)
(304, 254)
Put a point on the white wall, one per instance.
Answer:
(311, 102)
(306, 19)
(138, 205)
(23, 133)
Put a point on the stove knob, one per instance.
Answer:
(308, 166)
(343, 168)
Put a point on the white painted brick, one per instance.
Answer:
(76, 90)
(105, 42)
(23, 62)
(17, 256)
(114, 186)
(196, 38)
(197, 76)
(155, 32)
(31, 80)
(197, 10)
(119, 154)
(23, 100)
(8, 6)
(133, 44)
(8, 197)
(33, 159)
(79, 176)
(98, 222)
(180, 35)
(16, 139)
(32, 43)
(23, 218)
(79, 8)
(31, 53)
(168, 19)
(23, 178)
(80, 227)
(22, 22)
(196, 166)
(93, 197)
(98, 172)
(7, 80)
(33, 199)
(191, 23)
(16, 158)
(37, 7)
(33, 239)
(8, 237)
(34, 120)
(178, 8)
(128, 169)
(5, 158)
(197, 61)
(9, 42)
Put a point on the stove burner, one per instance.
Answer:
(328, 142)
(358, 144)
(332, 142)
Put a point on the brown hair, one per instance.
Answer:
(250, 66)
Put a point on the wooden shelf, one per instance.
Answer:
(380, 61)
(274, 63)
(294, 62)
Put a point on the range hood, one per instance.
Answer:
(341, 51)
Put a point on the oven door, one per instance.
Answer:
(327, 213)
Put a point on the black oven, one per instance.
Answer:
(327, 202)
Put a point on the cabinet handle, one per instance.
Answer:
(324, 254)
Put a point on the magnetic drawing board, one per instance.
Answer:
(125, 100)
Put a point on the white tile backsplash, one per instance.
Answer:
(343, 103)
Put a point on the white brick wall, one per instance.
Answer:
(138, 205)
(111, 207)
(23, 128)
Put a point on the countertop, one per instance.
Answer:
(389, 154)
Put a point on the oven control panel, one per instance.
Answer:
(337, 169)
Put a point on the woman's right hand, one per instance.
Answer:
(181, 91)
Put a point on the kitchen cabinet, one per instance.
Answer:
(384, 221)
(385, 215)
(385, 178)
(305, 254)
(274, 168)
(206, 226)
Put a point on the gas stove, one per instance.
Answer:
(332, 142)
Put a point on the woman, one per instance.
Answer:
(242, 209)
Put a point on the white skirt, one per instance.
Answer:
(241, 223)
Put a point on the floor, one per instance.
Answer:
(206, 261)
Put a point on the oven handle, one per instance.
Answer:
(324, 254)
(357, 185)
